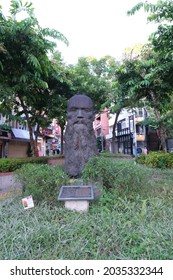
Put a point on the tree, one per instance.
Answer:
(88, 77)
(61, 90)
(118, 96)
(157, 66)
(26, 67)
(144, 83)
(161, 40)
(95, 77)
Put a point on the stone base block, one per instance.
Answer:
(77, 205)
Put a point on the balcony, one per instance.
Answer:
(140, 137)
(139, 119)
(124, 131)
(5, 134)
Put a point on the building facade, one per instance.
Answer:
(101, 127)
(131, 136)
(14, 141)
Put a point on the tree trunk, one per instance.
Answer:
(161, 128)
(32, 141)
(37, 133)
(113, 131)
(62, 139)
(162, 137)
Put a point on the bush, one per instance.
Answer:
(99, 169)
(141, 159)
(156, 159)
(110, 154)
(12, 164)
(114, 173)
(41, 181)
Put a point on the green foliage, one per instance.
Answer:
(5, 127)
(159, 160)
(156, 160)
(156, 66)
(114, 173)
(106, 153)
(30, 84)
(11, 164)
(41, 181)
(118, 226)
(141, 159)
(101, 143)
(91, 77)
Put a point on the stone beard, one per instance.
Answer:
(80, 140)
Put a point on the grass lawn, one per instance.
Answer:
(130, 223)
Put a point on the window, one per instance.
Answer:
(121, 125)
(139, 129)
(98, 118)
(99, 132)
(140, 112)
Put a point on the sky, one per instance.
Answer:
(93, 27)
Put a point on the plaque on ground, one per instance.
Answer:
(76, 193)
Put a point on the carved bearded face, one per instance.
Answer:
(80, 108)
(80, 121)
(80, 141)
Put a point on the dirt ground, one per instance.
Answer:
(8, 185)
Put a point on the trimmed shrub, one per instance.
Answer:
(12, 164)
(110, 154)
(156, 160)
(159, 160)
(41, 181)
(141, 159)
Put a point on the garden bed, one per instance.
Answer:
(129, 220)
(56, 161)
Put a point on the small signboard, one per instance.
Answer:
(28, 202)
(76, 193)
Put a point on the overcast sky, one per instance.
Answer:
(92, 27)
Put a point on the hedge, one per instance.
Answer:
(157, 159)
(12, 164)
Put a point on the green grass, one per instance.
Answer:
(122, 224)
(109, 154)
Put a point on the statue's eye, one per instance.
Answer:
(72, 109)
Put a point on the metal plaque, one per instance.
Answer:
(76, 193)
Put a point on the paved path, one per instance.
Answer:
(7, 182)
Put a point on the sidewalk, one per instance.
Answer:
(7, 182)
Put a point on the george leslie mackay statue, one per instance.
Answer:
(80, 140)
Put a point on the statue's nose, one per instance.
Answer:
(79, 114)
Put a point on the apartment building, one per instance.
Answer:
(15, 142)
(131, 136)
(101, 127)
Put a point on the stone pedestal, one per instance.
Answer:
(77, 205)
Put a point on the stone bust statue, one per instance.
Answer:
(80, 140)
